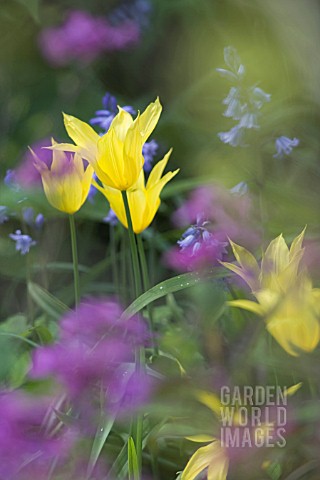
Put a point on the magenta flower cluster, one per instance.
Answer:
(84, 37)
(91, 366)
(211, 216)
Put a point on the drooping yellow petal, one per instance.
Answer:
(210, 400)
(200, 438)
(292, 390)
(218, 468)
(248, 264)
(200, 460)
(253, 307)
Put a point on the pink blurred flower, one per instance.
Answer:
(95, 353)
(26, 175)
(213, 215)
(26, 448)
(84, 37)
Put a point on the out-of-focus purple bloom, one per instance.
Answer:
(240, 189)
(111, 218)
(243, 103)
(93, 348)
(26, 175)
(234, 137)
(23, 242)
(3, 214)
(284, 146)
(84, 37)
(26, 447)
(227, 215)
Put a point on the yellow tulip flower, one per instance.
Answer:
(284, 294)
(143, 199)
(116, 156)
(67, 182)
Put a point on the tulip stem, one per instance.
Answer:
(146, 286)
(137, 425)
(75, 260)
(133, 247)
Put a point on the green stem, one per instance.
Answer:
(75, 260)
(146, 286)
(137, 426)
(133, 247)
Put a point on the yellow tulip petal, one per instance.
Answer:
(218, 468)
(80, 132)
(296, 245)
(253, 307)
(200, 438)
(157, 171)
(210, 400)
(200, 460)
(292, 390)
(149, 119)
(248, 263)
(121, 123)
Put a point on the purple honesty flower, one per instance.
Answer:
(84, 37)
(94, 346)
(284, 146)
(26, 446)
(111, 218)
(26, 175)
(3, 214)
(229, 215)
(23, 242)
(199, 247)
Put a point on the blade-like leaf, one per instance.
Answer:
(180, 282)
(133, 466)
(45, 300)
(101, 436)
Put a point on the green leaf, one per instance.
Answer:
(133, 466)
(45, 300)
(19, 370)
(180, 282)
(102, 433)
(33, 8)
(274, 471)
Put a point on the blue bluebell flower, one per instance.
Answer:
(196, 235)
(284, 146)
(23, 242)
(3, 214)
(149, 151)
(243, 103)
(103, 118)
(138, 11)
(240, 189)
(31, 219)
(111, 218)
(234, 137)
(11, 181)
